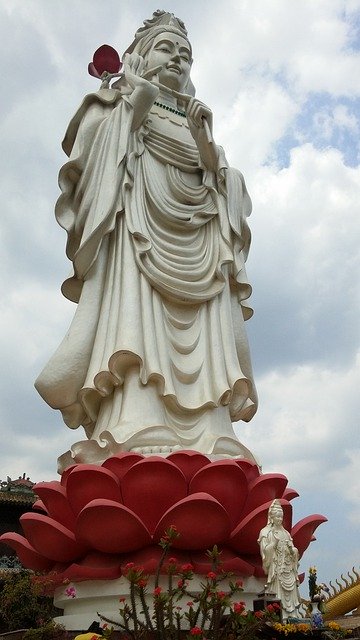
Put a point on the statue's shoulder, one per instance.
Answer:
(93, 106)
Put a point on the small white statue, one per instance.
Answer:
(156, 357)
(280, 561)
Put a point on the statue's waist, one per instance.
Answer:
(172, 151)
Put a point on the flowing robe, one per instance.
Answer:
(156, 357)
(280, 562)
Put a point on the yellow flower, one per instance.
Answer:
(333, 625)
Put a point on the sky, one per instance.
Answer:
(282, 78)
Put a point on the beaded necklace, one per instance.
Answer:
(164, 106)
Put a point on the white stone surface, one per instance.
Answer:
(157, 354)
(102, 596)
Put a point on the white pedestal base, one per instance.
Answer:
(102, 596)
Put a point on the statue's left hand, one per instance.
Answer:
(196, 113)
(200, 120)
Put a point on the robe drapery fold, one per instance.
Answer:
(157, 347)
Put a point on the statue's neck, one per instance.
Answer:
(165, 97)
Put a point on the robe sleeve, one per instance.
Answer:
(91, 181)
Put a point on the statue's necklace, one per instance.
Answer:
(164, 106)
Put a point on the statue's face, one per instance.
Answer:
(173, 53)
(277, 518)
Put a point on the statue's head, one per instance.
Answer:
(163, 41)
(275, 514)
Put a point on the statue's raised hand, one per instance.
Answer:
(144, 92)
(135, 73)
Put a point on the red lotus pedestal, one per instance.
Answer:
(96, 519)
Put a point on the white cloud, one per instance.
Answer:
(256, 65)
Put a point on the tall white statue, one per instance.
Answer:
(156, 357)
(280, 561)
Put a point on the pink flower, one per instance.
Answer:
(190, 604)
(70, 592)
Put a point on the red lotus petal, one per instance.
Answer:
(302, 532)
(290, 494)
(27, 555)
(250, 468)
(95, 566)
(229, 560)
(226, 482)
(264, 488)
(38, 504)
(92, 71)
(200, 520)
(256, 563)
(53, 496)
(244, 538)
(151, 478)
(189, 462)
(149, 559)
(87, 482)
(122, 462)
(50, 538)
(65, 474)
(111, 527)
(106, 58)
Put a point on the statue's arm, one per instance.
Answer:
(199, 117)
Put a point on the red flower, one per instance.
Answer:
(239, 607)
(157, 591)
(172, 560)
(105, 58)
(196, 631)
(142, 583)
(190, 604)
(129, 566)
(270, 608)
(180, 584)
(239, 584)
(259, 614)
(185, 568)
(221, 595)
(211, 575)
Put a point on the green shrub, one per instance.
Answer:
(23, 604)
(49, 631)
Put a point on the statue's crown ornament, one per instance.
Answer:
(160, 21)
